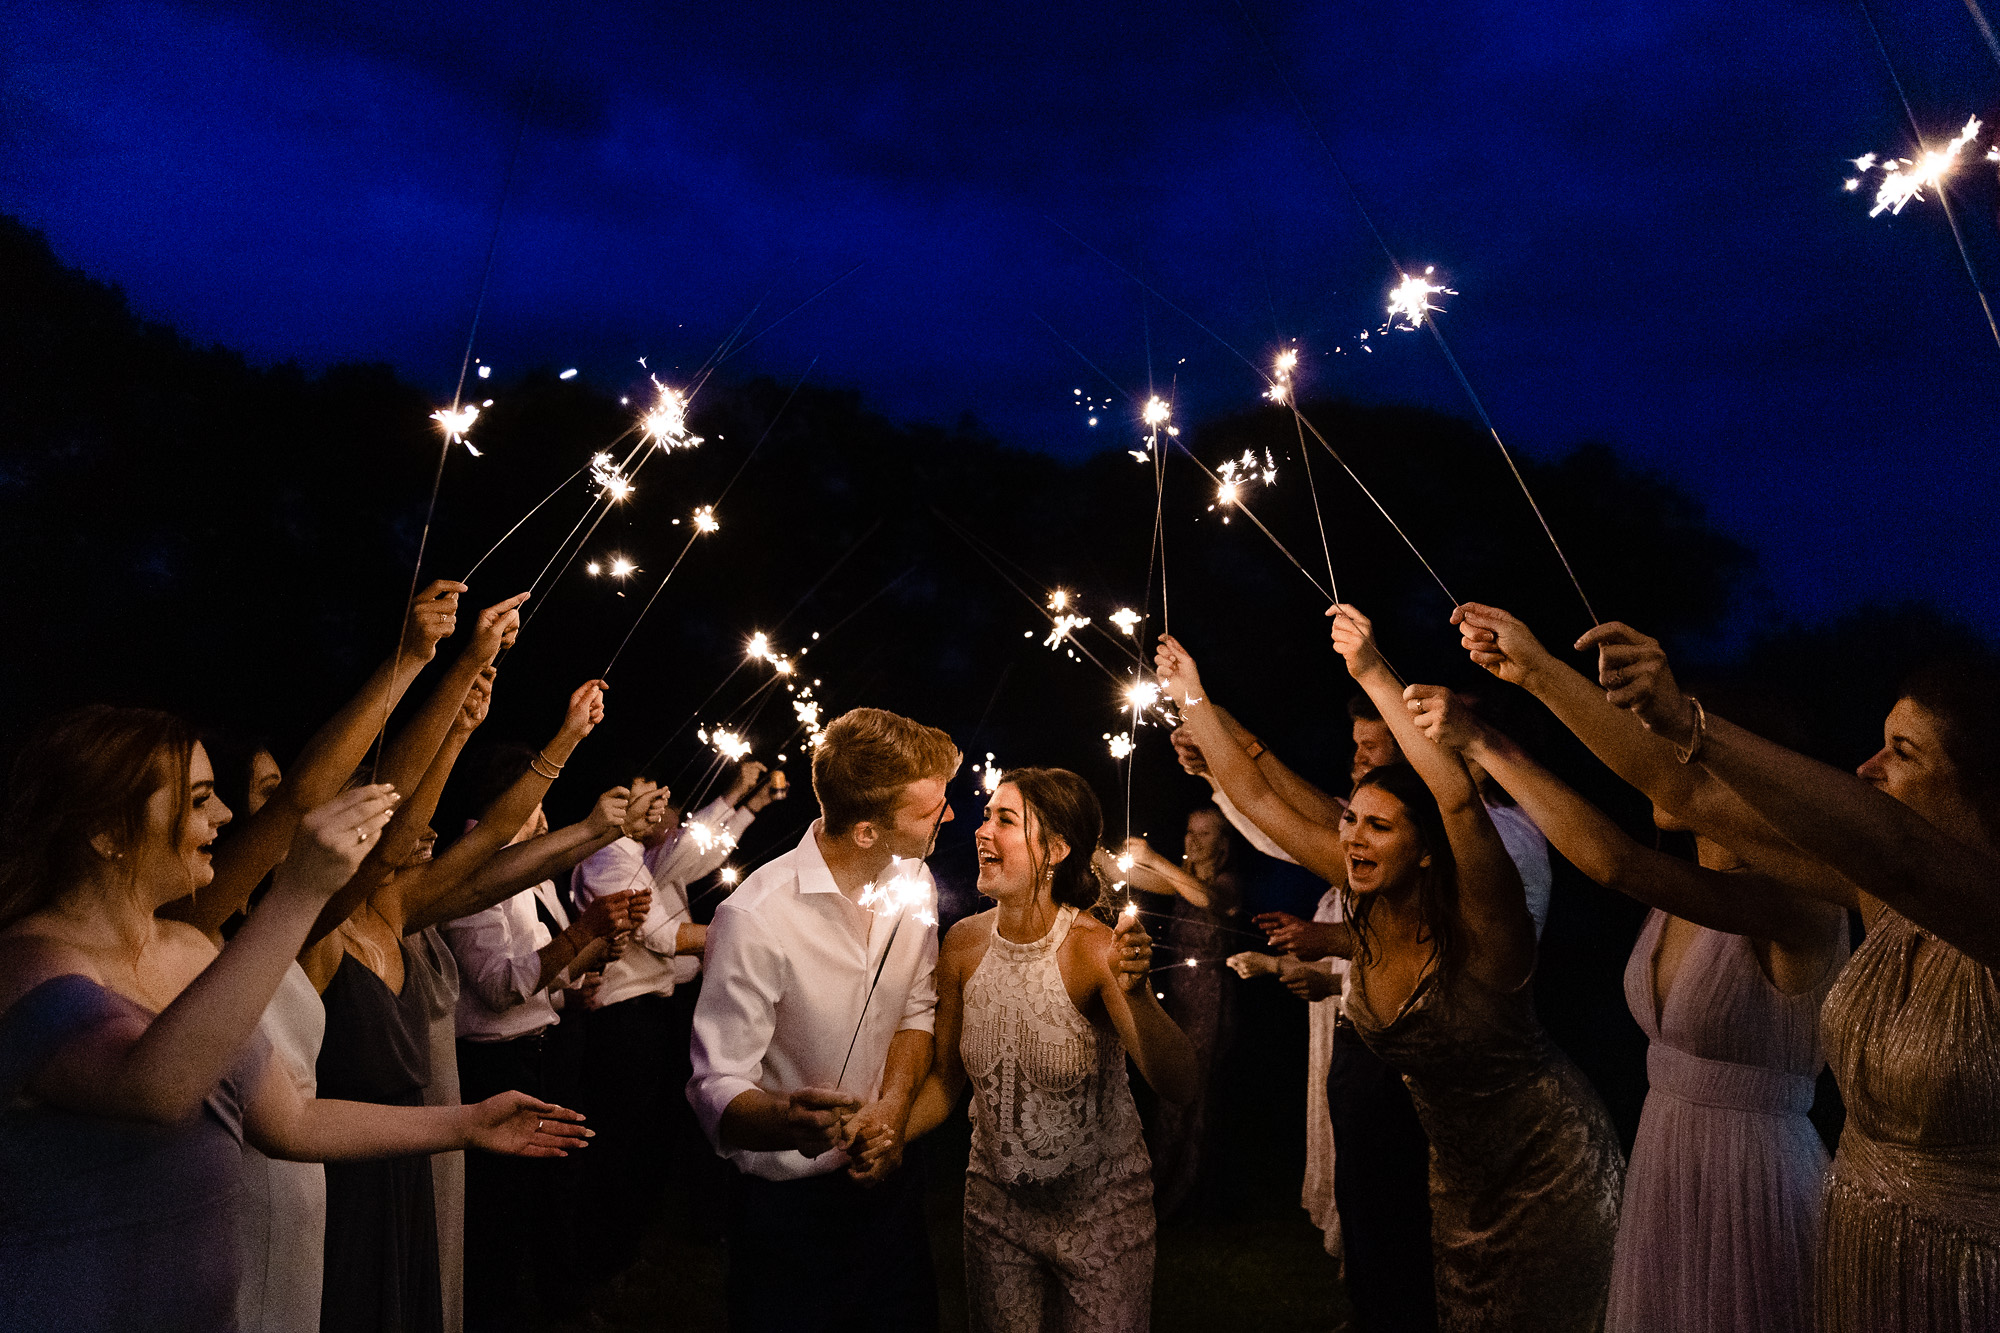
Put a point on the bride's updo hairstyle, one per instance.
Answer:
(1064, 807)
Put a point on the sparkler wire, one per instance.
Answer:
(1985, 28)
(1943, 191)
(889, 948)
(467, 576)
(1437, 334)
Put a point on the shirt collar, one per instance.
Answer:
(814, 874)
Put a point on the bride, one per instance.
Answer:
(1039, 1003)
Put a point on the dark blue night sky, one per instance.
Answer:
(1640, 205)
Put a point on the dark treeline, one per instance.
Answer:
(183, 529)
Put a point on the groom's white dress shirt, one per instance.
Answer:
(789, 964)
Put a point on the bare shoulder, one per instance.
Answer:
(187, 946)
(1089, 939)
(970, 935)
(30, 956)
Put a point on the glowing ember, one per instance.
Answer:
(1059, 600)
(904, 891)
(455, 422)
(1121, 745)
(1157, 412)
(1411, 300)
(1281, 377)
(727, 743)
(989, 775)
(760, 646)
(1064, 626)
(727, 875)
(1142, 695)
(1125, 863)
(593, 569)
(708, 839)
(1904, 180)
(665, 423)
(610, 480)
(620, 567)
(704, 519)
(1126, 619)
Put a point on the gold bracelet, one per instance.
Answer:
(1693, 751)
(543, 755)
(536, 764)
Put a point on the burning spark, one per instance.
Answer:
(1142, 695)
(1904, 180)
(1064, 626)
(727, 875)
(1237, 473)
(989, 775)
(1125, 863)
(620, 567)
(708, 839)
(903, 891)
(704, 519)
(455, 422)
(1121, 745)
(760, 646)
(593, 569)
(567, 375)
(665, 423)
(727, 743)
(1126, 619)
(1157, 412)
(1281, 379)
(1059, 600)
(1411, 300)
(609, 479)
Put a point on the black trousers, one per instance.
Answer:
(825, 1255)
(1382, 1190)
(518, 1210)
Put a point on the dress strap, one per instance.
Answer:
(1064, 920)
(41, 1022)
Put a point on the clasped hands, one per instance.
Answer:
(822, 1119)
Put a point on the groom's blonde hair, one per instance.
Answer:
(866, 758)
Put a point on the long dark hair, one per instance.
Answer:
(1437, 883)
(1065, 807)
(87, 773)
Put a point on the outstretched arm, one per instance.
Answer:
(322, 769)
(519, 865)
(1300, 794)
(1312, 844)
(1891, 852)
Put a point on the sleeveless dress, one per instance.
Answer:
(109, 1225)
(1913, 1205)
(381, 1228)
(1059, 1190)
(1722, 1206)
(283, 1219)
(1525, 1165)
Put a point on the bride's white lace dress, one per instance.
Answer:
(1059, 1193)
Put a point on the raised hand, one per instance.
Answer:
(1180, 680)
(586, 709)
(1296, 935)
(1633, 670)
(815, 1119)
(516, 1125)
(614, 913)
(1501, 643)
(1442, 716)
(748, 774)
(1188, 752)
(496, 627)
(1131, 955)
(333, 838)
(433, 618)
(478, 701)
(774, 788)
(609, 812)
(1354, 639)
(646, 811)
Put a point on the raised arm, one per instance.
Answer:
(161, 1070)
(433, 886)
(1300, 794)
(530, 861)
(1887, 849)
(1312, 844)
(258, 842)
(1150, 872)
(1739, 902)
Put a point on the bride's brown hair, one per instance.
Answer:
(1065, 807)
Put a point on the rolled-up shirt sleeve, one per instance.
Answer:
(686, 860)
(1243, 824)
(735, 1017)
(616, 866)
(496, 962)
(920, 1008)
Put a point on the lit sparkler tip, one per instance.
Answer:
(1121, 745)
(455, 422)
(727, 875)
(620, 567)
(1063, 627)
(1411, 299)
(1157, 412)
(593, 569)
(665, 423)
(1125, 863)
(1904, 180)
(760, 645)
(1059, 600)
(1142, 695)
(704, 519)
(1126, 619)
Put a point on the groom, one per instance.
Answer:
(799, 1047)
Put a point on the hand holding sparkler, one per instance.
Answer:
(748, 774)
(1633, 668)
(1131, 955)
(1188, 751)
(775, 787)
(1354, 640)
(478, 702)
(874, 1137)
(586, 710)
(1250, 964)
(815, 1117)
(433, 618)
(1443, 717)
(1307, 982)
(497, 627)
(609, 812)
(1296, 935)
(1177, 672)
(646, 811)
(1502, 644)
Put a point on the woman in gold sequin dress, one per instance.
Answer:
(1913, 1203)
(1038, 1005)
(1525, 1166)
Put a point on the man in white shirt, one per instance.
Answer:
(636, 1059)
(812, 1034)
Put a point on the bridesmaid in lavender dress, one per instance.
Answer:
(1721, 1215)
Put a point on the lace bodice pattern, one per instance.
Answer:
(1050, 1095)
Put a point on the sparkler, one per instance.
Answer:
(704, 519)
(904, 894)
(727, 743)
(609, 478)
(664, 424)
(1237, 473)
(1411, 300)
(1062, 628)
(1904, 180)
(1126, 619)
(989, 775)
(1121, 744)
(455, 422)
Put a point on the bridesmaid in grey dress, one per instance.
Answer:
(1525, 1166)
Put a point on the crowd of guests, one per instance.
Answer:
(252, 1018)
